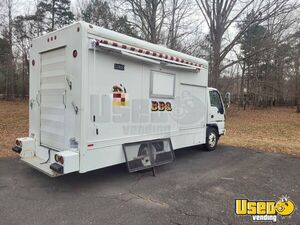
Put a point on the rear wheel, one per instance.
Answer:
(212, 138)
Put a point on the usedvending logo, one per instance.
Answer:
(265, 210)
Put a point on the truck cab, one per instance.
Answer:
(215, 118)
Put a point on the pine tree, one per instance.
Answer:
(98, 12)
(54, 13)
(4, 65)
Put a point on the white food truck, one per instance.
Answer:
(100, 98)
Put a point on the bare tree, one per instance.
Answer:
(8, 35)
(179, 14)
(297, 70)
(297, 78)
(23, 26)
(221, 15)
(148, 18)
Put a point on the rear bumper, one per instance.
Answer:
(51, 166)
(40, 165)
(44, 159)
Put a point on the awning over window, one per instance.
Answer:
(144, 54)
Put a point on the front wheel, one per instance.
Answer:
(211, 139)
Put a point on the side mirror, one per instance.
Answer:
(227, 100)
(221, 110)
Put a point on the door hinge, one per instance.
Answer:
(64, 100)
(69, 83)
(38, 98)
(75, 107)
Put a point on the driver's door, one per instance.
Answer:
(216, 111)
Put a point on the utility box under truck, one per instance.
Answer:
(100, 98)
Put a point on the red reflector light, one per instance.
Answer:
(90, 145)
(18, 143)
(59, 158)
(75, 53)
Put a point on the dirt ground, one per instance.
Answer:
(273, 129)
(13, 124)
(276, 129)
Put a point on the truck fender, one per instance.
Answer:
(213, 125)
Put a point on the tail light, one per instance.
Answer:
(59, 158)
(19, 143)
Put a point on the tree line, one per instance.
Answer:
(253, 46)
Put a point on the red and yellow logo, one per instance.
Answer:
(119, 95)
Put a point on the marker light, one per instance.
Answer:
(75, 53)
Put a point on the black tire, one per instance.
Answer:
(212, 138)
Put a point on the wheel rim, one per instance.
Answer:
(212, 139)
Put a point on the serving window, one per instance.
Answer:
(162, 85)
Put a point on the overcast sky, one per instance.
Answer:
(29, 6)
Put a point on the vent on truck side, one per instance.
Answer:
(148, 154)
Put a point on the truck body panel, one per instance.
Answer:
(93, 90)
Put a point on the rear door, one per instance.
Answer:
(53, 99)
